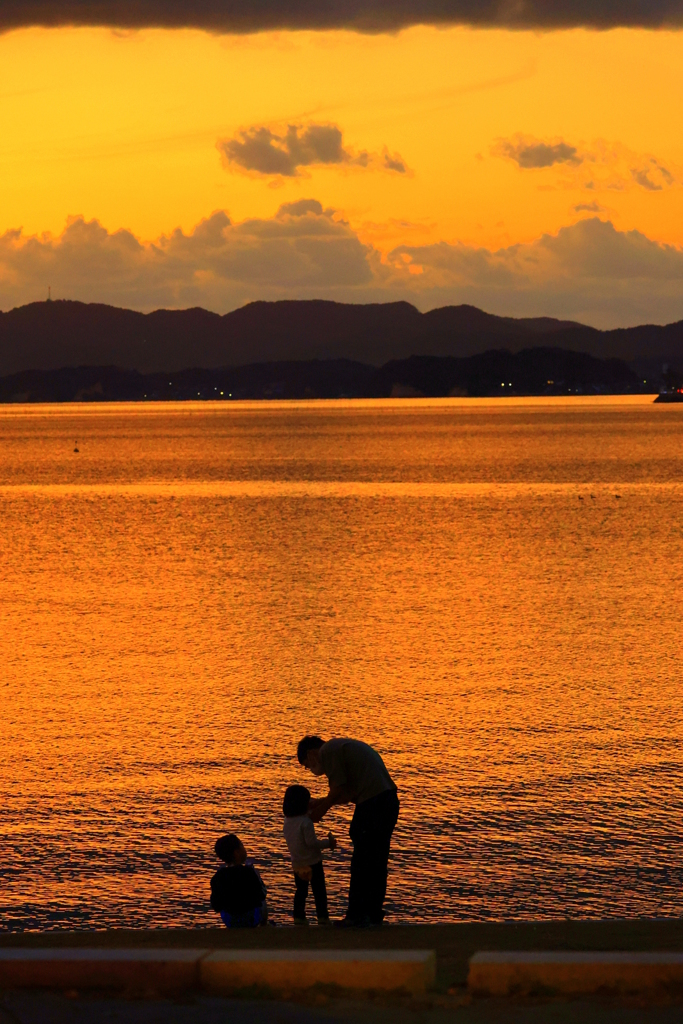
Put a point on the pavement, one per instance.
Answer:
(454, 943)
(59, 1008)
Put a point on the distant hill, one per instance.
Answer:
(49, 335)
(533, 371)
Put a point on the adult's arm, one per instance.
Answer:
(319, 808)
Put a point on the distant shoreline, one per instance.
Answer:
(532, 372)
(300, 402)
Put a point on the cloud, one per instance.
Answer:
(642, 178)
(653, 178)
(393, 162)
(531, 154)
(588, 208)
(591, 250)
(587, 271)
(359, 15)
(259, 149)
(598, 166)
(262, 150)
(220, 264)
(301, 207)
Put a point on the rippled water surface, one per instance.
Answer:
(490, 593)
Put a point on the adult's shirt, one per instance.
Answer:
(357, 767)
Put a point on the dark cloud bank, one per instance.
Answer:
(243, 16)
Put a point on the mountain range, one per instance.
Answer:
(61, 333)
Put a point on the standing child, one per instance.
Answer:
(306, 851)
(237, 892)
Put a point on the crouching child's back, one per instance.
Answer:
(237, 892)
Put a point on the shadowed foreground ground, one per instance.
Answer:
(51, 1008)
(454, 945)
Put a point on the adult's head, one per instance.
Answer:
(308, 753)
(296, 801)
(230, 849)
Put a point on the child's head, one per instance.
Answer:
(296, 801)
(230, 849)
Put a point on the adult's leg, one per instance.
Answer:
(371, 829)
(358, 885)
(385, 823)
(319, 891)
(300, 894)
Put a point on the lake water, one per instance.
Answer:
(488, 592)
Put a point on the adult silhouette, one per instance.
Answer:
(357, 774)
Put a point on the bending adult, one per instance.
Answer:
(357, 775)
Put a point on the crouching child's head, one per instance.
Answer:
(296, 801)
(239, 896)
(230, 850)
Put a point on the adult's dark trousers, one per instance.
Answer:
(319, 893)
(371, 829)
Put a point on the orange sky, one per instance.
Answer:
(122, 127)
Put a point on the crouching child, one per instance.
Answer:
(237, 892)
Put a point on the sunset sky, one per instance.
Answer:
(527, 170)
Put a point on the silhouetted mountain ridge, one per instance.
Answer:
(49, 335)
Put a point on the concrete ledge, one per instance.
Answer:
(140, 970)
(176, 970)
(410, 970)
(512, 973)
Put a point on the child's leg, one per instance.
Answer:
(320, 891)
(300, 894)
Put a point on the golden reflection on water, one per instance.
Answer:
(489, 592)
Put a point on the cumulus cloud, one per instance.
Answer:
(259, 149)
(358, 15)
(588, 271)
(263, 150)
(598, 166)
(220, 264)
(531, 154)
(590, 250)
